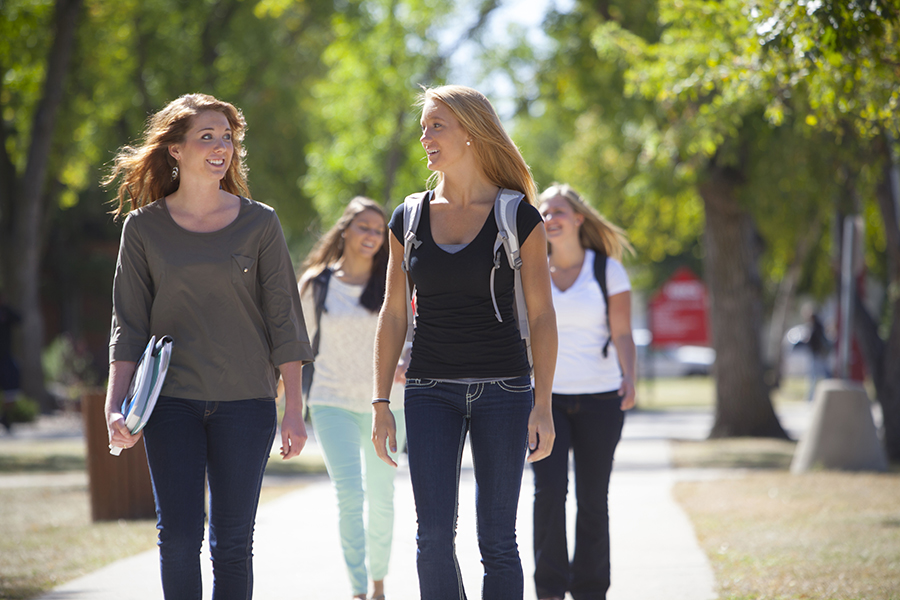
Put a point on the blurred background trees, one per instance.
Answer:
(731, 137)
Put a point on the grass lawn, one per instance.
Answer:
(48, 536)
(49, 539)
(771, 535)
(700, 392)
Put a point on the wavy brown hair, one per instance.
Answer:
(330, 247)
(146, 169)
(595, 232)
(497, 154)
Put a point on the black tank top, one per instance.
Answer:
(457, 335)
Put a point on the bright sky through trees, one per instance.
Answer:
(510, 15)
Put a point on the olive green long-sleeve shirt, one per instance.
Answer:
(228, 298)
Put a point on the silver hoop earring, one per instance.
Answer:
(174, 172)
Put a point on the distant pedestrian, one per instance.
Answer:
(201, 262)
(468, 374)
(9, 370)
(819, 349)
(594, 384)
(343, 286)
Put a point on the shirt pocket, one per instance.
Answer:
(243, 271)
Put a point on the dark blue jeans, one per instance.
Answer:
(187, 442)
(590, 425)
(495, 415)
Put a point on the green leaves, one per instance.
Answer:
(633, 104)
(25, 38)
(367, 125)
(844, 54)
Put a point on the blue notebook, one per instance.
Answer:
(146, 384)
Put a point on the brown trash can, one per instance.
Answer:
(120, 485)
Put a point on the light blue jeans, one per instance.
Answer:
(359, 475)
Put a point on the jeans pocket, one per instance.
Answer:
(420, 384)
(514, 386)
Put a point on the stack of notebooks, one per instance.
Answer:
(146, 384)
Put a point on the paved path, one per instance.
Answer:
(655, 554)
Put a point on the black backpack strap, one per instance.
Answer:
(600, 276)
(319, 285)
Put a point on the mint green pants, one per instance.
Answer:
(359, 477)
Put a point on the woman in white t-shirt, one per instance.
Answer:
(594, 384)
(342, 288)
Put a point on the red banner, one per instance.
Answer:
(679, 311)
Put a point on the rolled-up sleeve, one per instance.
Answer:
(132, 297)
(280, 302)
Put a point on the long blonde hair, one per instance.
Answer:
(330, 247)
(497, 154)
(596, 232)
(146, 170)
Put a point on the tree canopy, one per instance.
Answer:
(663, 113)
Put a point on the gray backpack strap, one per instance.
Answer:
(412, 212)
(505, 209)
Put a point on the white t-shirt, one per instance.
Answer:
(583, 330)
(344, 370)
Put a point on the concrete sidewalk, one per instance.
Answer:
(297, 553)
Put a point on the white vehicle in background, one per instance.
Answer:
(671, 361)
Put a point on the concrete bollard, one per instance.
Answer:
(842, 433)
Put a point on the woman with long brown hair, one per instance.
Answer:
(204, 264)
(343, 285)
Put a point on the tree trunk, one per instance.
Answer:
(220, 14)
(394, 156)
(743, 406)
(883, 356)
(30, 203)
(7, 209)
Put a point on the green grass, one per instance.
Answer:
(733, 453)
(307, 463)
(48, 536)
(700, 392)
(42, 456)
(825, 535)
(771, 535)
(777, 536)
(48, 539)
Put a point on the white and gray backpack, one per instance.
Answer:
(506, 206)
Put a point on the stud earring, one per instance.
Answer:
(174, 172)
(468, 143)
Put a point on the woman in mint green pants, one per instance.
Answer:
(358, 475)
(342, 287)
